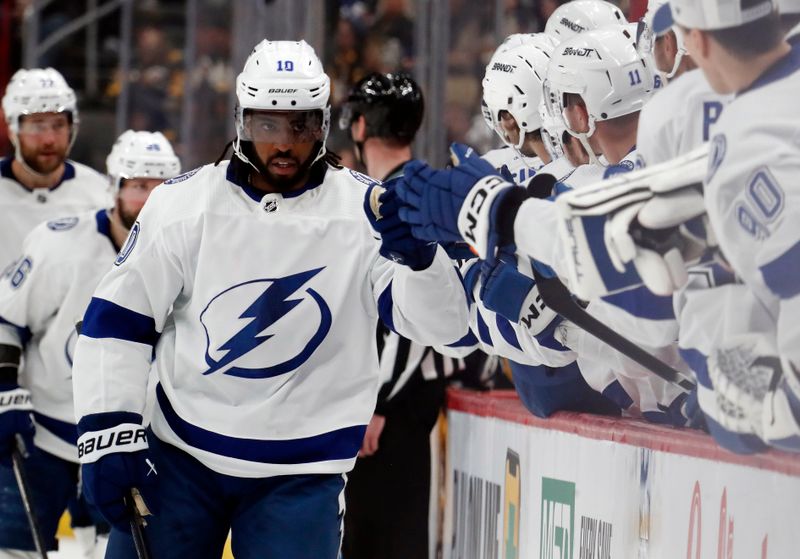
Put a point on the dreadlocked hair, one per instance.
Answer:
(333, 159)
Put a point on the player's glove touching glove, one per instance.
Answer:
(397, 243)
(15, 419)
(652, 223)
(513, 295)
(113, 451)
(469, 202)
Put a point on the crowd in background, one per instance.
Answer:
(361, 36)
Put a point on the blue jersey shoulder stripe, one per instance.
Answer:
(641, 303)
(63, 430)
(104, 319)
(782, 275)
(386, 307)
(341, 444)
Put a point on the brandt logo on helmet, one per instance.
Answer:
(572, 25)
(282, 91)
(585, 52)
(266, 327)
(507, 68)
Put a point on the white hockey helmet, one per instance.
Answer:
(282, 76)
(582, 15)
(141, 155)
(646, 35)
(605, 69)
(713, 14)
(518, 39)
(38, 90)
(513, 83)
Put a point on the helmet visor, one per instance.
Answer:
(280, 127)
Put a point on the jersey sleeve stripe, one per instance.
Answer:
(23, 332)
(640, 303)
(698, 363)
(781, 274)
(507, 332)
(468, 340)
(63, 430)
(386, 307)
(341, 444)
(105, 319)
(483, 331)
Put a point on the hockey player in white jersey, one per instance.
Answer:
(258, 282)
(748, 199)
(41, 299)
(512, 93)
(39, 183)
(599, 82)
(680, 117)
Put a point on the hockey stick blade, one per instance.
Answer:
(134, 504)
(556, 296)
(17, 459)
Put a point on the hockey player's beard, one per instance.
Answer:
(43, 161)
(284, 183)
(127, 217)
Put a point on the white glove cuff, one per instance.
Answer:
(474, 218)
(126, 437)
(17, 399)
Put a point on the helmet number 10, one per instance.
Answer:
(285, 65)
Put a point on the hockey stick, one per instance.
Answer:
(556, 296)
(17, 458)
(137, 509)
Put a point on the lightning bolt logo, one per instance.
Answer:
(269, 307)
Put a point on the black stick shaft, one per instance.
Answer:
(137, 527)
(27, 500)
(556, 296)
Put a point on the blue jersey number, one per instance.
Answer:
(636, 79)
(285, 65)
(18, 276)
(765, 201)
(711, 113)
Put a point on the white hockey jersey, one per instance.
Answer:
(262, 309)
(42, 299)
(753, 203)
(678, 118)
(81, 189)
(522, 168)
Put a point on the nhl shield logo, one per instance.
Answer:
(270, 203)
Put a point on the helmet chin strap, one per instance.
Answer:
(258, 166)
(583, 138)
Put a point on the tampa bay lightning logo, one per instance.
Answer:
(180, 178)
(265, 327)
(62, 224)
(133, 236)
(719, 146)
